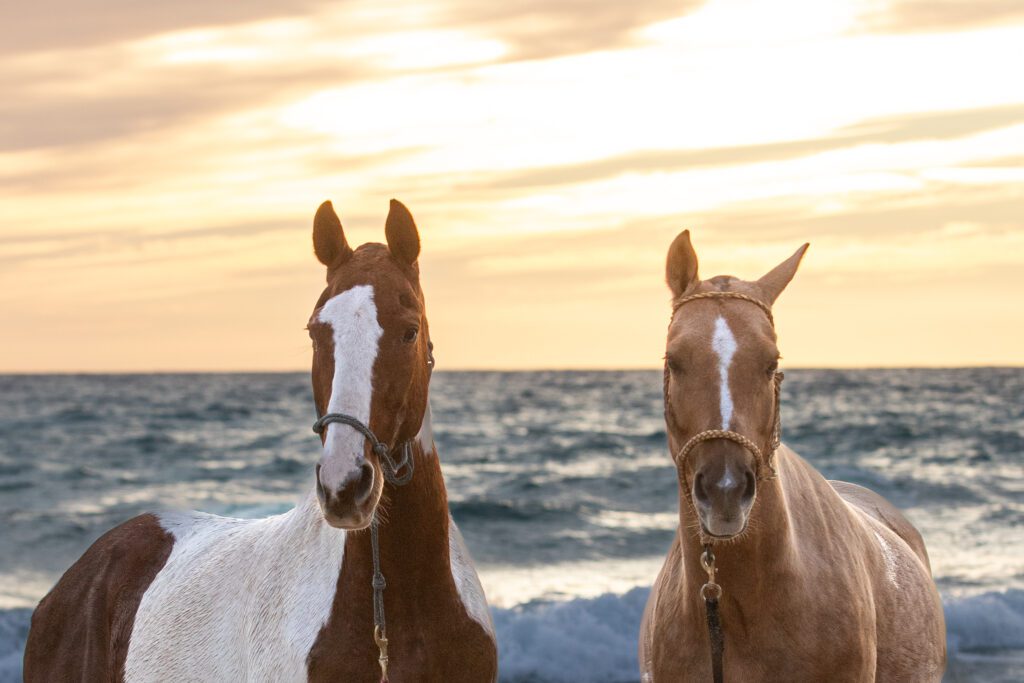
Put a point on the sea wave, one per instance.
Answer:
(990, 621)
(594, 640)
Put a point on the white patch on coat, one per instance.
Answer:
(238, 599)
(425, 437)
(352, 316)
(889, 556)
(466, 580)
(724, 345)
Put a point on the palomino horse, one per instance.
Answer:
(795, 577)
(301, 596)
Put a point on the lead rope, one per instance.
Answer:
(380, 636)
(380, 626)
(399, 474)
(711, 591)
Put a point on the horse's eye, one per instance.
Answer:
(773, 367)
(410, 335)
(674, 366)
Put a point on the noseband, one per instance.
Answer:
(765, 460)
(392, 470)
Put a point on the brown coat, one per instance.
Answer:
(821, 581)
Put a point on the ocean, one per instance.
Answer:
(560, 481)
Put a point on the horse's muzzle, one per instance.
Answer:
(350, 505)
(723, 495)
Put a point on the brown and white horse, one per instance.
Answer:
(816, 580)
(196, 597)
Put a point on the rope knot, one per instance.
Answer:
(379, 582)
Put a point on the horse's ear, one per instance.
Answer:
(681, 266)
(403, 238)
(329, 241)
(776, 280)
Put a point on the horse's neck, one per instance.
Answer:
(413, 528)
(748, 564)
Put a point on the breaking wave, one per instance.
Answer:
(594, 640)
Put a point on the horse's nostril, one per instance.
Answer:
(699, 492)
(750, 489)
(364, 486)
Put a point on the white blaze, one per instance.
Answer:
(724, 345)
(352, 316)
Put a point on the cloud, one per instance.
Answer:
(47, 245)
(920, 16)
(627, 252)
(542, 28)
(621, 249)
(77, 74)
(871, 217)
(36, 116)
(886, 130)
(941, 125)
(61, 24)
(146, 162)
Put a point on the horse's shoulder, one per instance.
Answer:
(467, 582)
(881, 510)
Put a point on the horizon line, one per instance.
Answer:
(56, 373)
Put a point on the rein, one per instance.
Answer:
(711, 591)
(398, 473)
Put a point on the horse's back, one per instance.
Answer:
(80, 631)
(878, 508)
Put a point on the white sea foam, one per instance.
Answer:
(583, 640)
(989, 621)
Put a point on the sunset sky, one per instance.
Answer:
(160, 164)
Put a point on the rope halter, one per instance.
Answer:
(765, 460)
(393, 471)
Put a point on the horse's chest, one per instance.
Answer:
(441, 643)
(796, 644)
(756, 661)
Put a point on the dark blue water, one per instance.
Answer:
(560, 482)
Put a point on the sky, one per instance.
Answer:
(160, 165)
